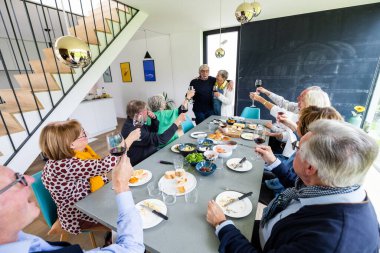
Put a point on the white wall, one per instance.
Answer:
(177, 58)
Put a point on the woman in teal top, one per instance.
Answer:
(166, 118)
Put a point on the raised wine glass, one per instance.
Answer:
(138, 121)
(116, 144)
(191, 100)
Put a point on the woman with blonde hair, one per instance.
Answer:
(73, 170)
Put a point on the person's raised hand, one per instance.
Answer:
(190, 94)
(266, 153)
(151, 114)
(230, 85)
(121, 174)
(215, 214)
(133, 136)
(268, 125)
(263, 90)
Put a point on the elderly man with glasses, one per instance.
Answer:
(17, 211)
(327, 211)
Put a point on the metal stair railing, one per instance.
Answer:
(42, 30)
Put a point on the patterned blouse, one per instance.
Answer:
(67, 181)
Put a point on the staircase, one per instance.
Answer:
(52, 91)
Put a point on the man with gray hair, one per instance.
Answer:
(203, 99)
(327, 211)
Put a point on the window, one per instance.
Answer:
(230, 40)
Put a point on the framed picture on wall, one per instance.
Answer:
(149, 71)
(107, 77)
(125, 69)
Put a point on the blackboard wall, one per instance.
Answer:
(337, 50)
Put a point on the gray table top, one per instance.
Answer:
(187, 229)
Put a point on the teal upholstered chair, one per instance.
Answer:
(187, 125)
(251, 113)
(49, 208)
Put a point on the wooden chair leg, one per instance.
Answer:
(92, 238)
(64, 236)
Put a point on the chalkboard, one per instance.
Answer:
(337, 50)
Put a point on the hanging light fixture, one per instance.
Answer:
(246, 11)
(147, 55)
(219, 53)
(71, 50)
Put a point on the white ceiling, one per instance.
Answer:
(172, 16)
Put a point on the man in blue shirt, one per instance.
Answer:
(327, 211)
(17, 211)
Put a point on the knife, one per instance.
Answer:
(166, 162)
(199, 134)
(163, 216)
(240, 163)
(245, 195)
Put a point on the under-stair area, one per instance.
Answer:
(43, 89)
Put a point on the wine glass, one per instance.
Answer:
(215, 89)
(183, 109)
(191, 88)
(138, 121)
(116, 144)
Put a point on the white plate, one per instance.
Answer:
(143, 180)
(246, 166)
(197, 135)
(166, 185)
(252, 126)
(237, 209)
(174, 148)
(248, 136)
(149, 219)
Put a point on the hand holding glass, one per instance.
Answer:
(116, 144)
(138, 121)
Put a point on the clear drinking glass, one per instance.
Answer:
(192, 197)
(116, 144)
(169, 196)
(258, 83)
(178, 162)
(153, 189)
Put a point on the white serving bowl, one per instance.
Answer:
(226, 148)
(210, 155)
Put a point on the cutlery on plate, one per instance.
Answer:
(166, 162)
(163, 216)
(240, 163)
(199, 134)
(245, 195)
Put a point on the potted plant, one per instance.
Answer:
(170, 104)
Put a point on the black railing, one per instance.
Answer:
(29, 41)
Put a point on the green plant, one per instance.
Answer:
(170, 104)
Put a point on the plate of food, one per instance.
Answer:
(174, 148)
(197, 135)
(233, 165)
(252, 126)
(238, 209)
(149, 219)
(248, 136)
(140, 177)
(179, 180)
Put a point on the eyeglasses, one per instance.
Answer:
(82, 136)
(296, 145)
(19, 179)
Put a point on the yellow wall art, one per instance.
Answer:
(126, 75)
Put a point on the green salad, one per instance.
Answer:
(194, 158)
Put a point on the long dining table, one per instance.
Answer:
(186, 230)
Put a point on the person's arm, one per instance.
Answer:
(225, 99)
(231, 240)
(260, 99)
(152, 138)
(280, 101)
(189, 95)
(154, 122)
(129, 224)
